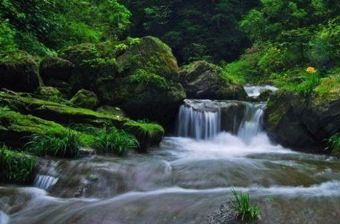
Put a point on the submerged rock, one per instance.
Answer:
(203, 80)
(19, 72)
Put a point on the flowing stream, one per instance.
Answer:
(218, 146)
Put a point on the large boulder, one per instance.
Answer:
(19, 72)
(56, 72)
(302, 123)
(203, 80)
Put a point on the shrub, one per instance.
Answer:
(16, 167)
(60, 146)
(111, 140)
(245, 211)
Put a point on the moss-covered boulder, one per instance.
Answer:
(85, 98)
(203, 80)
(16, 167)
(49, 93)
(19, 72)
(302, 123)
(55, 68)
(151, 54)
(36, 116)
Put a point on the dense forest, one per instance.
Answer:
(84, 83)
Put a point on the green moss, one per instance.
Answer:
(328, 90)
(147, 78)
(16, 167)
(86, 99)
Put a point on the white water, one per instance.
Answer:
(4, 219)
(255, 91)
(45, 181)
(198, 121)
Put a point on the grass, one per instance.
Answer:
(334, 144)
(65, 146)
(112, 140)
(245, 211)
(16, 167)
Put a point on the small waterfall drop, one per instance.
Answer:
(206, 119)
(199, 120)
(45, 181)
(251, 125)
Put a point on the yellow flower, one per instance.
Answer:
(311, 70)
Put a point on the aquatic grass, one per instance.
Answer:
(16, 167)
(112, 140)
(245, 211)
(65, 146)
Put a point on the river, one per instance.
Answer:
(186, 179)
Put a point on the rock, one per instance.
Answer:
(43, 115)
(49, 93)
(90, 64)
(110, 110)
(148, 85)
(298, 123)
(232, 115)
(86, 99)
(264, 96)
(151, 54)
(19, 72)
(55, 69)
(203, 80)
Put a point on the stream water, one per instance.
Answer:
(186, 179)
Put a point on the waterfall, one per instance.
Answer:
(45, 181)
(251, 124)
(205, 119)
(197, 120)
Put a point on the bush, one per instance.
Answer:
(111, 140)
(245, 211)
(66, 146)
(16, 167)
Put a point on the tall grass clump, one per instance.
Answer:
(16, 167)
(112, 140)
(245, 211)
(65, 146)
(334, 144)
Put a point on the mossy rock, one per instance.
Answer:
(46, 113)
(85, 98)
(202, 80)
(110, 110)
(19, 72)
(152, 55)
(147, 134)
(16, 167)
(50, 93)
(55, 68)
(144, 95)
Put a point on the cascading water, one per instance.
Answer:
(205, 119)
(198, 120)
(251, 125)
(45, 181)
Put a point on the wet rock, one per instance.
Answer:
(19, 72)
(224, 215)
(300, 123)
(203, 80)
(55, 68)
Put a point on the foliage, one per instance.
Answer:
(61, 146)
(334, 144)
(147, 78)
(111, 140)
(42, 26)
(195, 30)
(244, 209)
(16, 167)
